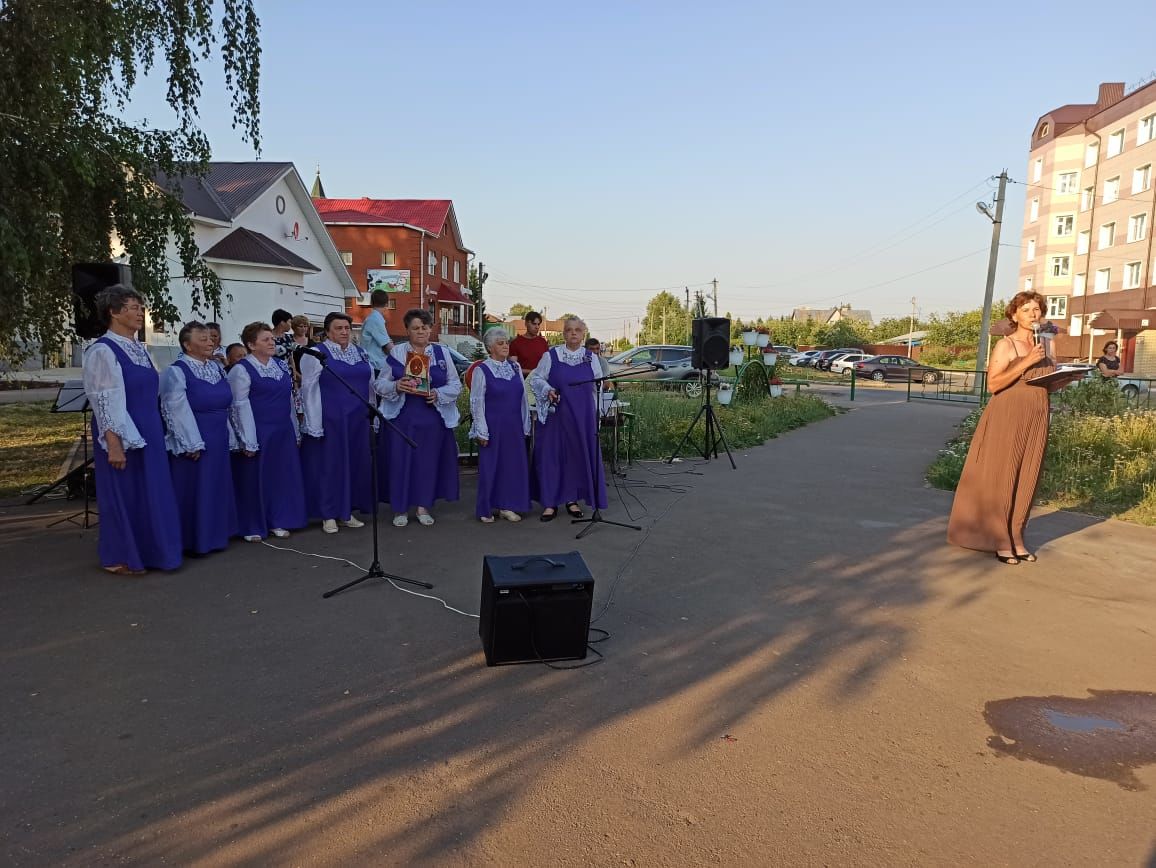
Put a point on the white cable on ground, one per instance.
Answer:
(360, 567)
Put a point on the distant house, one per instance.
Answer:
(256, 227)
(826, 315)
(412, 249)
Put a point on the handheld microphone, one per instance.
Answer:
(308, 351)
(1035, 333)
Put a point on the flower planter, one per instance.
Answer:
(769, 359)
(776, 391)
(725, 394)
(736, 357)
(763, 340)
(749, 338)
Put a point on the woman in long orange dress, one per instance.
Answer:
(994, 497)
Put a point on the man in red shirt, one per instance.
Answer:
(529, 348)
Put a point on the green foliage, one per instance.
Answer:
(75, 175)
(892, 327)
(960, 328)
(519, 310)
(939, 357)
(1094, 397)
(843, 333)
(666, 321)
(474, 284)
(33, 443)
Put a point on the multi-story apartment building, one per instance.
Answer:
(1088, 221)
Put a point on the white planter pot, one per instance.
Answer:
(736, 357)
(725, 394)
(776, 391)
(769, 359)
(763, 340)
(749, 338)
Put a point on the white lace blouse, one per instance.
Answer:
(104, 386)
(539, 378)
(480, 428)
(241, 413)
(182, 435)
(310, 391)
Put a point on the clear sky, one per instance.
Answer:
(815, 154)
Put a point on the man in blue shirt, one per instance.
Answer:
(374, 334)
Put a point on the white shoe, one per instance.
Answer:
(509, 515)
(252, 539)
(486, 519)
(353, 522)
(400, 520)
(329, 525)
(425, 518)
(279, 532)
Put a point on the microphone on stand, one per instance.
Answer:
(309, 351)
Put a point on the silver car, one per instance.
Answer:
(674, 360)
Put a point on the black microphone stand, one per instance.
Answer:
(375, 571)
(596, 516)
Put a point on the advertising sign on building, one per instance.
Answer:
(388, 279)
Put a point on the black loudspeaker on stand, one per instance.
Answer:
(88, 279)
(710, 352)
(535, 608)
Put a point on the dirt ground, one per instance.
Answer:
(797, 673)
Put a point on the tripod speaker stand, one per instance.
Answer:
(713, 434)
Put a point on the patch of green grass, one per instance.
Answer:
(33, 443)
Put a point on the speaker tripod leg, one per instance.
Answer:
(685, 436)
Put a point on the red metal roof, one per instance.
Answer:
(452, 295)
(427, 214)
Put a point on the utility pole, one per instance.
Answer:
(687, 288)
(911, 328)
(664, 325)
(985, 323)
(714, 294)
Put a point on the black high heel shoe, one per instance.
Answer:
(1007, 559)
(574, 510)
(1027, 556)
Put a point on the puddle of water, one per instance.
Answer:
(1108, 735)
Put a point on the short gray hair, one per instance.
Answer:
(113, 299)
(571, 319)
(493, 335)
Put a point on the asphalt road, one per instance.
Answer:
(797, 673)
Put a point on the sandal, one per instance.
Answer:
(1007, 559)
(573, 510)
(1027, 556)
(486, 519)
(123, 570)
(548, 516)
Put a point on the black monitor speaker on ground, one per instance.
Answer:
(535, 608)
(88, 279)
(710, 343)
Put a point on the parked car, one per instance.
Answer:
(674, 359)
(824, 359)
(844, 363)
(881, 368)
(460, 361)
(784, 350)
(804, 359)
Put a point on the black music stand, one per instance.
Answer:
(596, 516)
(72, 399)
(375, 571)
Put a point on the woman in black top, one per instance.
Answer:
(1109, 363)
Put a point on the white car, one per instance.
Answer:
(845, 363)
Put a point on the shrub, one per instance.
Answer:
(1095, 397)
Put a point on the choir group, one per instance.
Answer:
(187, 460)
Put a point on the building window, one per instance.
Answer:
(1029, 282)
(445, 268)
(1132, 275)
(1103, 280)
(432, 263)
(1034, 213)
(388, 258)
(1065, 224)
(1083, 242)
(1077, 327)
(1142, 178)
(1061, 266)
(1111, 190)
(1116, 143)
(1068, 182)
(1044, 129)
(1091, 154)
(347, 257)
(1031, 255)
(457, 272)
(1146, 130)
(1107, 235)
(1038, 169)
(1079, 284)
(1057, 306)
(1087, 198)
(1137, 227)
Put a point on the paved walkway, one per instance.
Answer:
(797, 673)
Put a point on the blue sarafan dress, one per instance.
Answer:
(195, 402)
(269, 487)
(567, 454)
(335, 453)
(501, 417)
(419, 476)
(139, 525)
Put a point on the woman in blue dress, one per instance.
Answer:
(139, 525)
(195, 402)
(501, 422)
(567, 454)
(419, 476)
(270, 491)
(335, 433)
